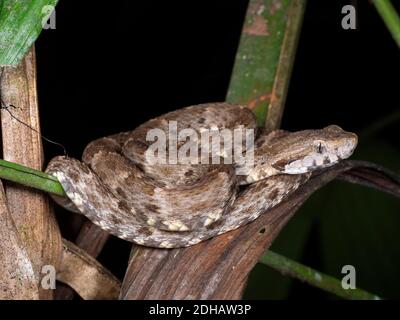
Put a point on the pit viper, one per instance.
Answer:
(180, 203)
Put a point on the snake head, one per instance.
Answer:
(308, 150)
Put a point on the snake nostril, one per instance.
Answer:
(261, 231)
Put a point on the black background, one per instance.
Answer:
(110, 66)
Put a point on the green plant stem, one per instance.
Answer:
(390, 17)
(264, 59)
(254, 73)
(317, 279)
(31, 178)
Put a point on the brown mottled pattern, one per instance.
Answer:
(178, 205)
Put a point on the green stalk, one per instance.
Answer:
(31, 178)
(264, 58)
(390, 17)
(315, 278)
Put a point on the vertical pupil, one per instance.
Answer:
(319, 149)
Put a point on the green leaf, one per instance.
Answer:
(390, 17)
(21, 22)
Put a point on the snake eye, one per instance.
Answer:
(319, 147)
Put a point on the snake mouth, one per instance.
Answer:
(311, 163)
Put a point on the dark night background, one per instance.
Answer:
(104, 71)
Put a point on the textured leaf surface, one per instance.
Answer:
(20, 24)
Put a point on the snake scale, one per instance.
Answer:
(178, 205)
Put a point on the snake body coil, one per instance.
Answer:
(169, 205)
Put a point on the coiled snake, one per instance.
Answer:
(168, 205)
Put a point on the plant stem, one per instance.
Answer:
(285, 65)
(264, 58)
(390, 17)
(30, 178)
(315, 278)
